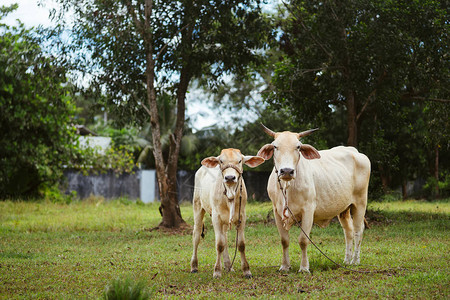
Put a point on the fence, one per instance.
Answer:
(143, 185)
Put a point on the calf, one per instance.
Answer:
(220, 191)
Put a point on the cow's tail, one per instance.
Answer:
(203, 231)
(366, 224)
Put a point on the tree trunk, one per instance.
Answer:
(436, 168)
(351, 120)
(171, 212)
(171, 215)
(384, 179)
(404, 190)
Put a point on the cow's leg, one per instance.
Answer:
(284, 235)
(220, 245)
(226, 255)
(199, 213)
(241, 247)
(358, 213)
(306, 225)
(347, 224)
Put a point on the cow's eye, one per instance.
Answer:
(220, 161)
(240, 160)
(275, 147)
(298, 147)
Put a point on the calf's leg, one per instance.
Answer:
(199, 213)
(241, 247)
(220, 245)
(226, 255)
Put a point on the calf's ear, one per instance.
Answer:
(210, 162)
(266, 151)
(309, 152)
(253, 161)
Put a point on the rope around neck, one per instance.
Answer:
(283, 192)
(240, 200)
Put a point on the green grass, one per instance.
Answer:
(80, 249)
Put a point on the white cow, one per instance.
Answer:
(220, 191)
(318, 187)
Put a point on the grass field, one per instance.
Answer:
(75, 250)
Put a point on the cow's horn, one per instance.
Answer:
(267, 130)
(307, 132)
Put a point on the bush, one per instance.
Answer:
(127, 289)
(118, 159)
(444, 187)
(36, 111)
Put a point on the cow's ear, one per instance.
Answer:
(309, 151)
(266, 151)
(210, 162)
(253, 161)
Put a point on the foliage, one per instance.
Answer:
(120, 289)
(250, 138)
(139, 50)
(54, 250)
(224, 39)
(118, 159)
(36, 111)
(429, 188)
(389, 58)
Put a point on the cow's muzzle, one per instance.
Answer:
(287, 174)
(230, 179)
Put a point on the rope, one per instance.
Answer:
(336, 263)
(283, 192)
(237, 227)
(240, 200)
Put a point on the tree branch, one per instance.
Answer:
(369, 99)
(371, 96)
(146, 109)
(166, 44)
(132, 12)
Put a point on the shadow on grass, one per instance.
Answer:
(382, 217)
(373, 216)
(16, 255)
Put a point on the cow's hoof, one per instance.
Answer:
(347, 261)
(247, 274)
(228, 269)
(355, 262)
(284, 268)
(194, 271)
(217, 275)
(304, 270)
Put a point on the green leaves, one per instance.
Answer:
(367, 68)
(36, 139)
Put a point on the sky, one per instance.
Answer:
(29, 12)
(201, 111)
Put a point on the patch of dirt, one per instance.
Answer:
(375, 217)
(183, 229)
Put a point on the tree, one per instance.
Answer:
(140, 49)
(36, 112)
(360, 55)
